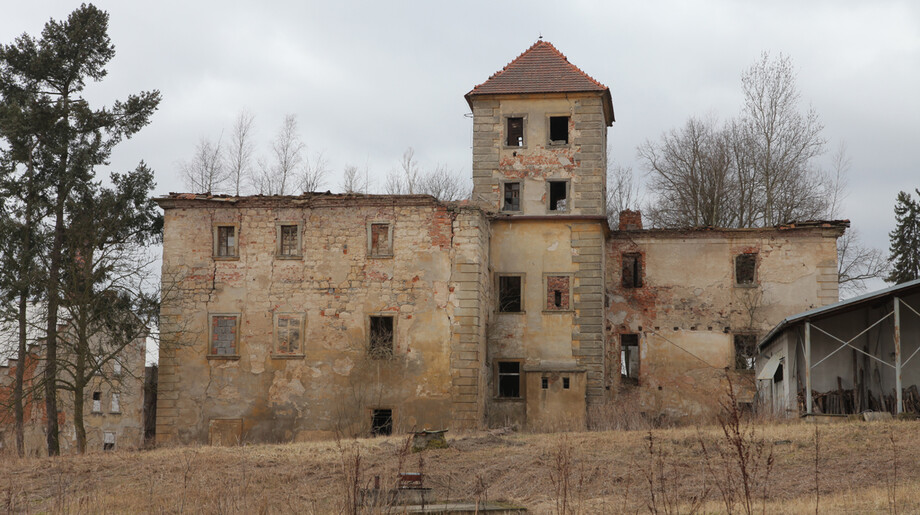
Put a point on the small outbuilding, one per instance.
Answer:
(854, 356)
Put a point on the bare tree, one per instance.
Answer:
(404, 179)
(205, 172)
(857, 263)
(622, 192)
(240, 150)
(277, 176)
(313, 172)
(444, 184)
(351, 182)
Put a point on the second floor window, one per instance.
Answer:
(512, 197)
(515, 132)
(226, 245)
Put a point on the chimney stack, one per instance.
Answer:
(630, 220)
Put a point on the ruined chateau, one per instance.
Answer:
(298, 317)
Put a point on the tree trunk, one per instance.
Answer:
(20, 373)
(54, 268)
(78, 404)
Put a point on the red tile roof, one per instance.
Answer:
(540, 69)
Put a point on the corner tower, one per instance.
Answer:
(539, 137)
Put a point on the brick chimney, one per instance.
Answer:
(630, 220)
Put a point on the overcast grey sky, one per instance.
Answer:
(368, 79)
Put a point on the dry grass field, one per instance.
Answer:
(862, 467)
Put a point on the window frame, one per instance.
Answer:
(753, 282)
(624, 358)
(568, 196)
(115, 403)
(372, 351)
(638, 270)
(505, 132)
(753, 348)
(549, 130)
(97, 403)
(210, 333)
(278, 241)
(370, 250)
(520, 197)
(498, 291)
(108, 446)
(302, 320)
(215, 239)
(498, 375)
(546, 276)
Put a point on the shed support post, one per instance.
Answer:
(808, 399)
(897, 355)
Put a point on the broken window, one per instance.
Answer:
(565, 383)
(512, 197)
(380, 240)
(289, 334)
(382, 422)
(509, 379)
(558, 130)
(224, 335)
(745, 345)
(380, 344)
(509, 294)
(745, 265)
(288, 240)
(557, 195)
(108, 441)
(557, 293)
(97, 402)
(632, 270)
(226, 244)
(116, 407)
(629, 357)
(515, 132)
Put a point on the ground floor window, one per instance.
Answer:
(382, 422)
(509, 379)
(108, 441)
(629, 357)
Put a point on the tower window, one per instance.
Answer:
(512, 196)
(558, 195)
(565, 383)
(629, 357)
(558, 130)
(515, 132)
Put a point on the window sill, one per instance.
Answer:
(114, 413)
(746, 285)
(510, 312)
(224, 356)
(380, 256)
(559, 311)
(225, 258)
(289, 257)
(508, 399)
(557, 145)
(288, 356)
(514, 147)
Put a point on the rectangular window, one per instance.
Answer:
(557, 196)
(224, 335)
(380, 239)
(509, 294)
(515, 132)
(565, 383)
(288, 238)
(116, 368)
(226, 244)
(629, 357)
(97, 402)
(557, 293)
(381, 339)
(108, 441)
(509, 379)
(745, 266)
(558, 130)
(544, 382)
(512, 196)
(632, 270)
(382, 422)
(289, 334)
(745, 345)
(116, 407)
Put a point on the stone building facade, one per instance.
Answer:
(299, 317)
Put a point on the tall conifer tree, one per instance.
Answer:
(905, 240)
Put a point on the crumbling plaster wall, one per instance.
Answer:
(689, 305)
(334, 385)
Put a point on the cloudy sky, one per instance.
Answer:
(367, 80)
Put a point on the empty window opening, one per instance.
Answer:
(223, 335)
(745, 265)
(559, 130)
(778, 375)
(116, 368)
(629, 357)
(288, 334)
(565, 383)
(557, 293)
(116, 407)
(509, 379)
(381, 240)
(512, 197)
(97, 402)
(382, 422)
(632, 270)
(544, 382)
(289, 242)
(381, 336)
(744, 351)
(108, 441)
(226, 241)
(558, 191)
(509, 294)
(515, 132)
